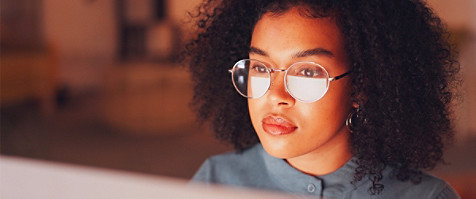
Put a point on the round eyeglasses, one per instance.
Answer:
(305, 81)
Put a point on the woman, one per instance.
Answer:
(341, 99)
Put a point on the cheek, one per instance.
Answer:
(329, 112)
(315, 117)
(254, 108)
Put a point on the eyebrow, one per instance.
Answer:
(305, 53)
(254, 50)
(315, 51)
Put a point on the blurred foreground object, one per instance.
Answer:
(22, 178)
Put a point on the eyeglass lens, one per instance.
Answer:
(305, 81)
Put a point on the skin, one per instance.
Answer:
(314, 138)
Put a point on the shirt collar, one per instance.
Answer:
(293, 180)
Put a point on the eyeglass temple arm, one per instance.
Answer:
(270, 70)
(331, 79)
(340, 76)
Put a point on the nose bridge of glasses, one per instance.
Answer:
(272, 70)
(277, 91)
(277, 80)
(276, 70)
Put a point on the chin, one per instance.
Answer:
(278, 151)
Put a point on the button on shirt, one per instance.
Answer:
(254, 168)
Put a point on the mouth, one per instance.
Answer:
(276, 125)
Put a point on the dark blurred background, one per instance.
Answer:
(97, 83)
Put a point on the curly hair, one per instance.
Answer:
(404, 73)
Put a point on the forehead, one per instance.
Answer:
(293, 31)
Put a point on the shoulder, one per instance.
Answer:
(230, 168)
(235, 159)
(429, 187)
(436, 187)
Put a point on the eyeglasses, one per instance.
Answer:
(305, 81)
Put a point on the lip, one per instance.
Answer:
(276, 125)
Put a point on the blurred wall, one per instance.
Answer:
(460, 16)
(84, 35)
(456, 13)
(81, 28)
(177, 10)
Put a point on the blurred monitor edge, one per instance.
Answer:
(22, 178)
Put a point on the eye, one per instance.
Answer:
(309, 72)
(259, 68)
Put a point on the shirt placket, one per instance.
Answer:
(314, 187)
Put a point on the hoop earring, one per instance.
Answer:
(352, 120)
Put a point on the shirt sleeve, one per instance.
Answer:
(448, 193)
(204, 174)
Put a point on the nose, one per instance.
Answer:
(277, 94)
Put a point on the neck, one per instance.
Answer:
(327, 158)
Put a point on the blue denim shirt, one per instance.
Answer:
(254, 168)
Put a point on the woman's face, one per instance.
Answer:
(288, 128)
